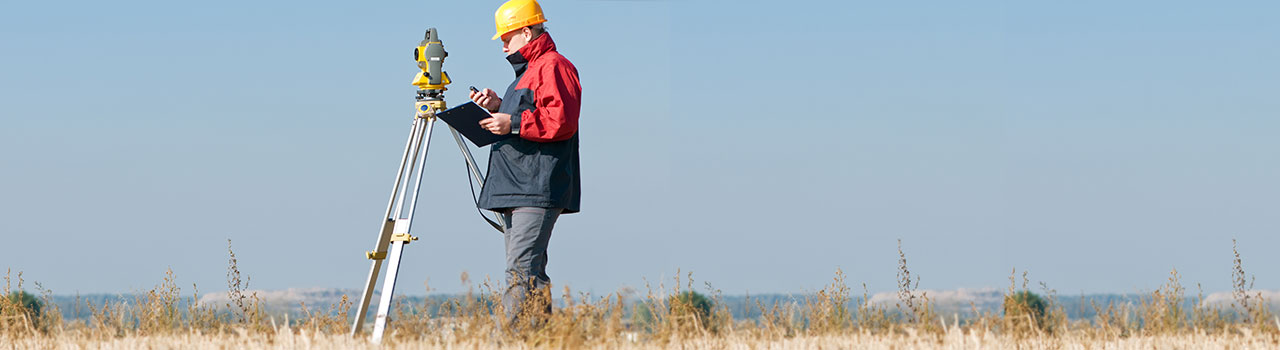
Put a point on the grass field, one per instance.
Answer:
(292, 339)
(666, 317)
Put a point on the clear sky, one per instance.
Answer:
(760, 145)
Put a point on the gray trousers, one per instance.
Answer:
(527, 233)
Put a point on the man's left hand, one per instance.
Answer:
(499, 124)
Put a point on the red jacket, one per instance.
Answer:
(539, 168)
(556, 94)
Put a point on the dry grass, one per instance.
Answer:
(828, 318)
(950, 338)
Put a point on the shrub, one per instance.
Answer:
(693, 304)
(680, 310)
(28, 302)
(1025, 308)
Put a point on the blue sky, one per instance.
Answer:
(760, 145)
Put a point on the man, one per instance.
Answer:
(532, 178)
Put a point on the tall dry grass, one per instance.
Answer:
(828, 318)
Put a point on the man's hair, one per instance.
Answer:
(538, 29)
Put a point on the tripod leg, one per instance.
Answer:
(388, 285)
(413, 201)
(401, 232)
(475, 171)
(384, 237)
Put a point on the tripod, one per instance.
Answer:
(395, 231)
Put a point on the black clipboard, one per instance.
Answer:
(466, 119)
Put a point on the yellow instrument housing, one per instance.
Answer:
(423, 79)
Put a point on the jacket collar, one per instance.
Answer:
(531, 51)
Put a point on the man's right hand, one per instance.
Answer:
(487, 99)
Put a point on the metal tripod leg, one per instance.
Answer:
(395, 228)
(389, 284)
(400, 238)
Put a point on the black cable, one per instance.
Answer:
(476, 199)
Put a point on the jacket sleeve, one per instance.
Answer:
(557, 102)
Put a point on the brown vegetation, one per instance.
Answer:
(828, 318)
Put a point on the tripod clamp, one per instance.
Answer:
(399, 237)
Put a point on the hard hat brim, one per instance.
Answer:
(534, 22)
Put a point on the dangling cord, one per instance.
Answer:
(476, 199)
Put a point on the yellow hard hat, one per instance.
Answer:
(516, 14)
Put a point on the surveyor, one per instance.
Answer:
(533, 178)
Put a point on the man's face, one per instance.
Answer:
(516, 39)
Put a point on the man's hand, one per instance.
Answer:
(487, 99)
(499, 124)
